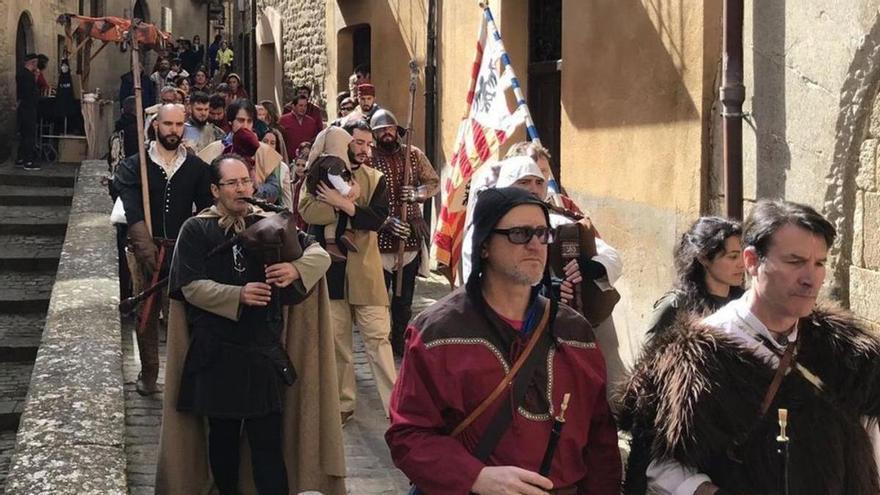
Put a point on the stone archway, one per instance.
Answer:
(270, 57)
(852, 197)
(141, 10)
(24, 38)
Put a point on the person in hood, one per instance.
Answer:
(449, 369)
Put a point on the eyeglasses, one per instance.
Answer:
(235, 183)
(522, 235)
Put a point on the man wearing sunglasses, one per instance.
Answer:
(460, 349)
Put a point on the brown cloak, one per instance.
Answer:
(313, 445)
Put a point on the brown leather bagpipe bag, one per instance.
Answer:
(572, 241)
(278, 238)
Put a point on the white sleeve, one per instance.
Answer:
(610, 259)
(671, 478)
(340, 184)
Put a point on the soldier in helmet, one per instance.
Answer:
(389, 157)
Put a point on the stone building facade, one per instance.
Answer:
(291, 49)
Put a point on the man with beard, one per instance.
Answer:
(198, 131)
(705, 395)
(389, 158)
(217, 112)
(445, 435)
(357, 287)
(176, 180)
(367, 106)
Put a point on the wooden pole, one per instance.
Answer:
(407, 170)
(139, 114)
(733, 94)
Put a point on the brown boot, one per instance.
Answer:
(335, 253)
(347, 240)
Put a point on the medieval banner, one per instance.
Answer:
(484, 129)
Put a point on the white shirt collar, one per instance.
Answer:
(169, 169)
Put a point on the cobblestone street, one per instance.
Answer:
(369, 466)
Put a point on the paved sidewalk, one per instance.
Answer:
(369, 466)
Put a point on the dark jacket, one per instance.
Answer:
(126, 89)
(26, 90)
(127, 123)
(171, 201)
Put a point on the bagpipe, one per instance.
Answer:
(276, 237)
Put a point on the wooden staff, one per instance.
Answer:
(407, 170)
(139, 115)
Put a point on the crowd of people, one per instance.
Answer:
(279, 230)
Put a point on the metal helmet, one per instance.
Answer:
(383, 118)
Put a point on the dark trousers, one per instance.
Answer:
(401, 306)
(267, 459)
(27, 127)
(124, 275)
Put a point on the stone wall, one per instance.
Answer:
(71, 437)
(812, 70)
(305, 45)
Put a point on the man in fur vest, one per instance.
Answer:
(703, 400)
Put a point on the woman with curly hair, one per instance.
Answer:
(709, 266)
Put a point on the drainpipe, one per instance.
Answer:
(431, 94)
(733, 94)
(254, 96)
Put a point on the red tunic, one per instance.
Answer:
(456, 354)
(296, 131)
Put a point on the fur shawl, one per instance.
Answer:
(694, 396)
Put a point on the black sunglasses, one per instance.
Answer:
(522, 235)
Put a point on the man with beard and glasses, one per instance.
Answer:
(389, 158)
(176, 180)
(462, 347)
(198, 132)
(357, 287)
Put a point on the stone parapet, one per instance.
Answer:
(72, 432)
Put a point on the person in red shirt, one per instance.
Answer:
(449, 369)
(298, 127)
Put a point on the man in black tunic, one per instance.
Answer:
(236, 368)
(26, 94)
(176, 182)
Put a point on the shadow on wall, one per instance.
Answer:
(773, 156)
(630, 71)
(856, 96)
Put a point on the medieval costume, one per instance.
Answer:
(694, 402)
(392, 162)
(298, 129)
(198, 135)
(607, 264)
(27, 94)
(357, 287)
(449, 369)
(225, 361)
(672, 306)
(173, 188)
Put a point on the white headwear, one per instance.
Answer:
(516, 168)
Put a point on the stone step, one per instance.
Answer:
(7, 448)
(39, 220)
(25, 292)
(35, 196)
(20, 336)
(50, 175)
(30, 252)
(14, 381)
